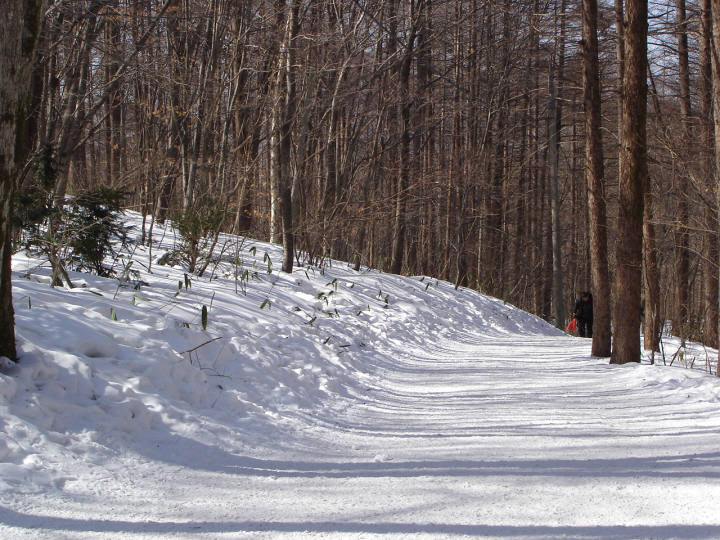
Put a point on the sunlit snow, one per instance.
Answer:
(337, 404)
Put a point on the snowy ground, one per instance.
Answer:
(335, 404)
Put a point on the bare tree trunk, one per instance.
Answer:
(632, 183)
(620, 51)
(276, 122)
(556, 69)
(22, 21)
(652, 323)
(274, 170)
(716, 108)
(285, 102)
(653, 317)
(595, 174)
(710, 243)
(245, 125)
(553, 142)
(403, 178)
(114, 105)
(682, 262)
(455, 161)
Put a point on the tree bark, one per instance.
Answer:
(632, 182)
(682, 261)
(653, 318)
(19, 32)
(716, 109)
(710, 241)
(595, 175)
(553, 142)
(620, 52)
(286, 103)
(403, 178)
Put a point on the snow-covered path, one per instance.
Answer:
(479, 437)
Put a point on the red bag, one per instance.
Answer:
(572, 326)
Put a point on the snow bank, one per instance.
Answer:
(110, 366)
(113, 367)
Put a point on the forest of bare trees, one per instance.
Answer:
(524, 148)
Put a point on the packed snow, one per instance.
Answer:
(334, 403)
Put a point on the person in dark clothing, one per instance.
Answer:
(583, 312)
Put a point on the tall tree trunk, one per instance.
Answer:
(557, 69)
(274, 168)
(286, 101)
(652, 322)
(553, 143)
(620, 52)
(716, 109)
(682, 262)
(653, 317)
(631, 187)
(595, 174)
(710, 243)
(22, 21)
(115, 135)
(403, 177)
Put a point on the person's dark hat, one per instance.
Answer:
(584, 294)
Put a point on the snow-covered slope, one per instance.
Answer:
(118, 379)
(106, 365)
